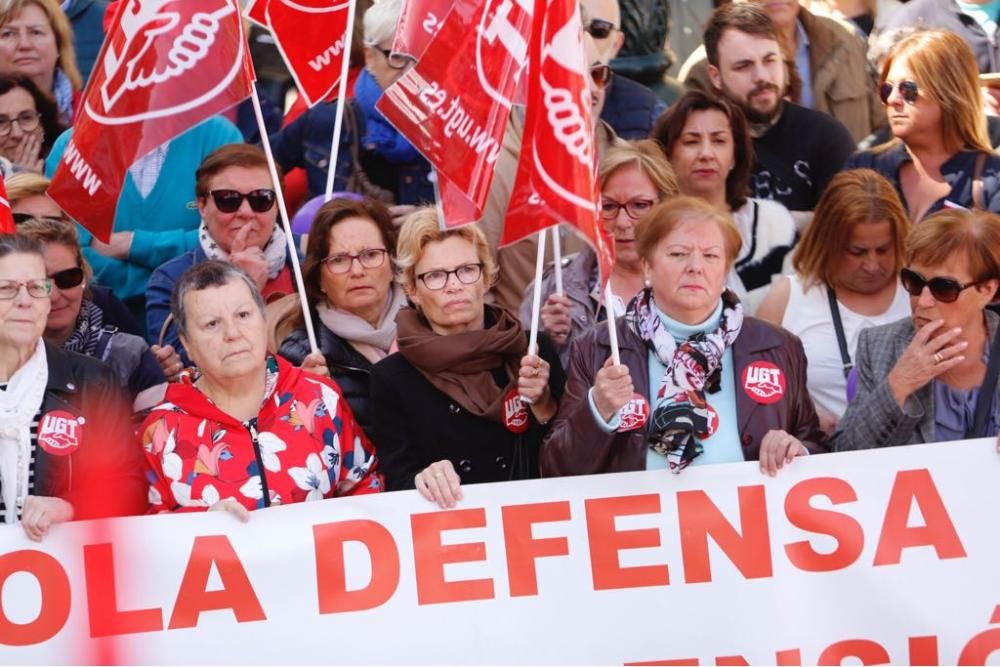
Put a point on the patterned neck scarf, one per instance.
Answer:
(692, 368)
(87, 333)
(275, 250)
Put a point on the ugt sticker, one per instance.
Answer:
(634, 414)
(515, 412)
(59, 432)
(764, 382)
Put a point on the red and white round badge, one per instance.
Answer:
(60, 433)
(764, 382)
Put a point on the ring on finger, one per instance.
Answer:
(938, 358)
(439, 474)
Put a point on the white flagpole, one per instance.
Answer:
(612, 331)
(536, 297)
(557, 255)
(341, 101)
(283, 215)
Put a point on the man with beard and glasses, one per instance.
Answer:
(798, 150)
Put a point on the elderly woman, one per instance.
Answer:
(250, 430)
(462, 401)
(634, 177)
(75, 323)
(36, 41)
(707, 141)
(29, 123)
(238, 209)
(847, 279)
(699, 381)
(65, 445)
(933, 376)
(349, 280)
(941, 154)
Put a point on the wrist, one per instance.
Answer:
(899, 389)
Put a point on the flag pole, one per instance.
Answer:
(612, 331)
(536, 297)
(338, 121)
(283, 215)
(557, 256)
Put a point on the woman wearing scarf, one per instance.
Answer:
(462, 401)
(699, 382)
(66, 450)
(238, 207)
(348, 276)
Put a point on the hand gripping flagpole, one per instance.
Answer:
(283, 214)
(341, 102)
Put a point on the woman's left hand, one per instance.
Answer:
(118, 248)
(41, 512)
(315, 362)
(170, 361)
(533, 387)
(778, 448)
(27, 156)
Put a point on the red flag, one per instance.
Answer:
(311, 36)
(555, 179)
(6, 217)
(165, 66)
(454, 103)
(418, 23)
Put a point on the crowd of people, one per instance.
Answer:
(807, 261)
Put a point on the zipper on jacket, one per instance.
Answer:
(251, 426)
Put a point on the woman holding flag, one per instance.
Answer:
(698, 382)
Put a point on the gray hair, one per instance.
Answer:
(882, 42)
(380, 21)
(19, 244)
(213, 273)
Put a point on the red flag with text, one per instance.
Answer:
(311, 36)
(454, 103)
(165, 66)
(556, 172)
(6, 217)
(418, 23)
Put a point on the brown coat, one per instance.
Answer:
(577, 446)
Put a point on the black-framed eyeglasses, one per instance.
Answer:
(27, 121)
(437, 279)
(229, 201)
(634, 208)
(908, 90)
(395, 61)
(943, 288)
(21, 218)
(372, 258)
(68, 278)
(38, 289)
(600, 29)
(601, 75)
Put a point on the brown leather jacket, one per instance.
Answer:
(576, 445)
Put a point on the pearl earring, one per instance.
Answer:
(647, 282)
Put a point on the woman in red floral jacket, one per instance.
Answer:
(250, 431)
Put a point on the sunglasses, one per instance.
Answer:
(68, 278)
(601, 75)
(908, 90)
(21, 218)
(945, 290)
(600, 29)
(229, 201)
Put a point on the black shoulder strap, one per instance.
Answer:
(838, 325)
(986, 392)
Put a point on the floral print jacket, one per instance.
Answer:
(303, 445)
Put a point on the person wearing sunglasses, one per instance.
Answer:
(66, 446)
(633, 177)
(933, 377)
(463, 400)
(238, 207)
(349, 279)
(941, 154)
(29, 123)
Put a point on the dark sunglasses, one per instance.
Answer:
(68, 278)
(21, 218)
(908, 90)
(599, 28)
(945, 290)
(229, 201)
(601, 75)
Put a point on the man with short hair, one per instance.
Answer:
(798, 150)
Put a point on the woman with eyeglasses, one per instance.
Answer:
(66, 448)
(941, 155)
(354, 299)
(934, 376)
(709, 146)
(464, 400)
(29, 123)
(238, 207)
(633, 177)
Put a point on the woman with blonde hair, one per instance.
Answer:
(942, 154)
(846, 280)
(36, 41)
(463, 400)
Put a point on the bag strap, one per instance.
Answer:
(986, 391)
(838, 325)
(978, 200)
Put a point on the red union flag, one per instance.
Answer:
(418, 23)
(165, 66)
(555, 179)
(454, 103)
(311, 36)
(6, 217)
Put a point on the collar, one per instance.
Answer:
(959, 166)
(801, 36)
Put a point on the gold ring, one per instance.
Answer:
(439, 474)
(937, 357)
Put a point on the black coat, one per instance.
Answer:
(348, 368)
(415, 424)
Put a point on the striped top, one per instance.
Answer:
(31, 462)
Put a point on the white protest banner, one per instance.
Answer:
(877, 556)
